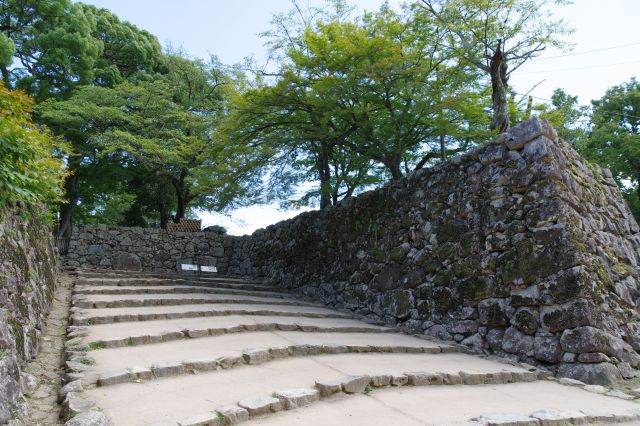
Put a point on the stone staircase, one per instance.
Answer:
(148, 349)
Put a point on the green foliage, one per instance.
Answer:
(614, 139)
(54, 48)
(7, 50)
(568, 118)
(29, 171)
(96, 345)
(356, 102)
(155, 137)
(497, 37)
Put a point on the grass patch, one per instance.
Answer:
(4, 354)
(96, 345)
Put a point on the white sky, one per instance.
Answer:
(230, 28)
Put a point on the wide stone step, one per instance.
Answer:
(112, 315)
(212, 353)
(539, 403)
(175, 398)
(164, 275)
(100, 301)
(95, 289)
(119, 334)
(116, 282)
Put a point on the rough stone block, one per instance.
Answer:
(232, 414)
(165, 369)
(255, 356)
(596, 374)
(229, 361)
(527, 131)
(261, 406)
(329, 387)
(355, 384)
(296, 398)
(74, 404)
(399, 380)
(92, 417)
(380, 380)
(114, 378)
(203, 364)
(424, 379)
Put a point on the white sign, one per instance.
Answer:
(208, 269)
(188, 267)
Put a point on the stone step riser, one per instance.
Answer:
(280, 400)
(252, 357)
(169, 336)
(205, 290)
(140, 303)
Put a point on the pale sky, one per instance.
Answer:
(230, 28)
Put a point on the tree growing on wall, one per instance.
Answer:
(498, 37)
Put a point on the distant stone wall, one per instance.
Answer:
(518, 248)
(143, 249)
(28, 272)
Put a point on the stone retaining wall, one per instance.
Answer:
(518, 248)
(28, 272)
(142, 249)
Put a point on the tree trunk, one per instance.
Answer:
(182, 197)
(392, 163)
(498, 70)
(324, 174)
(443, 148)
(164, 215)
(5, 76)
(65, 222)
(181, 206)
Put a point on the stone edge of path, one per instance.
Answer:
(249, 356)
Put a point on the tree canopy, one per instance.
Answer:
(349, 101)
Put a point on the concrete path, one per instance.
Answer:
(170, 350)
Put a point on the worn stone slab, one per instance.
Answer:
(165, 369)
(296, 398)
(328, 387)
(256, 356)
(114, 377)
(355, 384)
(261, 406)
(232, 414)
